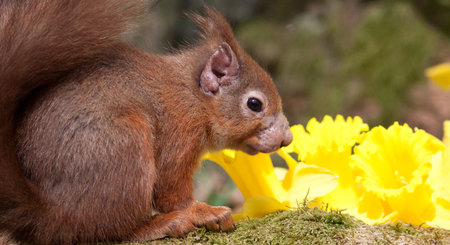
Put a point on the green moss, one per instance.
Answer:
(314, 226)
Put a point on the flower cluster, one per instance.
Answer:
(380, 176)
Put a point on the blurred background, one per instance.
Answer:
(349, 57)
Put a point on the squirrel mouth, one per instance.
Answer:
(250, 150)
(270, 139)
(261, 144)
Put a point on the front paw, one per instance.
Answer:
(178, 223)
(214, 218)
(173, 224)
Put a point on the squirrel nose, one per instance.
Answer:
(287, 134)
(288, 137)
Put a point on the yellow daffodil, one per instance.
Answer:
(446, 138)
(267, 189)
(329, 145)
(438, 180)
(395, 164)
(440, 74)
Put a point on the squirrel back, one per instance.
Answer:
(41, 42)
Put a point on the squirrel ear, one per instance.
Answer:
(220, 70)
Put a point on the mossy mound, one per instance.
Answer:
(314, 226)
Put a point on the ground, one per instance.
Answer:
(314, 226)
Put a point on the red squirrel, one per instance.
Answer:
(99, 140)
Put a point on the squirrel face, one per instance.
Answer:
(246, 111)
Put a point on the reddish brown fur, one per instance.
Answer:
(95, 134)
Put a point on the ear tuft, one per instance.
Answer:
(221, 69)
(213, 26)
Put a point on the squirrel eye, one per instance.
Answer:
(254, 104)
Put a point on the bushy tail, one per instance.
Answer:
(40, 41)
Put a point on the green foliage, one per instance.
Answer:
(391, 51)
(336, 59)
(329, 57)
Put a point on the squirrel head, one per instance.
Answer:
(243, 105)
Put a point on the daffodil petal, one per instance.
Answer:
(440, 174)
(301, 143)
(340, 132)
(288, 178)
(440, 74)
(280, 173)
(237, 216)
(253, 175)
(291, 162)
(438, 181)
(311, 182)
(257, 207)
(446, 138)
(442, 218)
(341, 198)
(423, 209)
(337, 159)
(370, 209)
